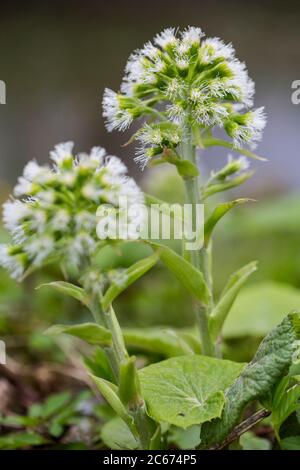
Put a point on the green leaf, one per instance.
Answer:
(249, 441)
(20, 440)
(188, 438)
(89, 332)
(56, 429)
(259, 308)
(279, 391)
(69, 289)
(162, 341)
(19, 421)
(211, 141)
(163, 207)
(128, 277)
(149, 200)
(260, 376)
(155, 441)
(222, 309)
(54, 404)
(224, 186)
(186, 273)
(129, 384)
(186, 169)
(187, 390)
(291, 443)
(117, 436)
(218, 213)
(284, 404)
(110, 393)
(99, 365)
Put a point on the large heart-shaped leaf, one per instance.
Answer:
(187, 390)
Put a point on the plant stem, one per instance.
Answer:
(117, 352)
(242, 428)
(199, 258)
(116, 355)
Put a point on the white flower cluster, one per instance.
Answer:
(193, 80)
(55, 217)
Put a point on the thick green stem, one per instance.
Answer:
(199, 258)
(116, 355)
(207, 345)
(117, 352)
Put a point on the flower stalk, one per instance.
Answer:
(119, 359)
(197, 257)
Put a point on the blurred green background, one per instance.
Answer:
(56, 58)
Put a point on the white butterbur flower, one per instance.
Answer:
(150, 135)
(166, 39)
(47, 196)
(56, 220)
(34, 172)
(192, 35)
(62, 152)
(135, 67)
(257, 120)
(81, 246)
(215, 48)
(61, 220)
(114, 166)
(97, 154)
(116, 118)
(84, 220)
(39, 248)
(67, 178)
(182, 63)
(175, 88)
(181, 77)
(91, 191)
(240, 164)
(244, 163)
(38, 219)
(12, 262)
(142, 156)
(31, 170)
(23, 187)
(240, 85)
(150, 51)
(250, 128)
(14, 212)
